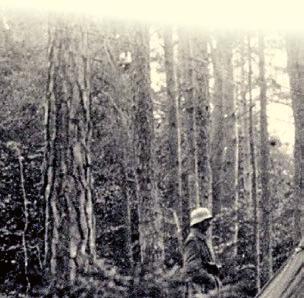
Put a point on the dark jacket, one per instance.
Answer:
(199, 263)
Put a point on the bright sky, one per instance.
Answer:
(280, 121)
(244, 14)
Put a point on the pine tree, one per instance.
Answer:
(253, 191)
(150, 236)
(174, 189)
(295, 50)
(69, 217)
(202, 116)
(217, 132)
(266, 251)
(190, 111)
(229, 173)
(242, 131)
(182, 78)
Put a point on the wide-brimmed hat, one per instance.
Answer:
(198, 215)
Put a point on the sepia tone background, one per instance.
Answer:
(117, 119)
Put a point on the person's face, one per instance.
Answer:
(205, 225)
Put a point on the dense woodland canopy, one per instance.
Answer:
(112, 131)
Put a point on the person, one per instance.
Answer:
(199, 261)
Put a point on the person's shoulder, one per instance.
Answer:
(191, 237)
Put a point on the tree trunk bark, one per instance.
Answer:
(190, 105)
(295, 51)
(182, 81)
(150, 236)
(241, 204)
(202, 117)
(217, 133)
(265, 204)
(254, 197)
(174, 190)
(230, 137)
(69, 230)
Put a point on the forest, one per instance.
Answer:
(112, 131)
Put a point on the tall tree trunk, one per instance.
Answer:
(131, 191)
(136, 251)
(69, 231)
(174, 189)
(228, 168)
(202, 116)
(241, 204)
(295, 51)
(150, 236)
(190, 104)
(194, 87)
(127, 122)
(125, 245)
(265, 204)
(181, 82)
(230, 156)
(217, 133)
(254, 197)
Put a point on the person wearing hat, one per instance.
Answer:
(200, 268)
